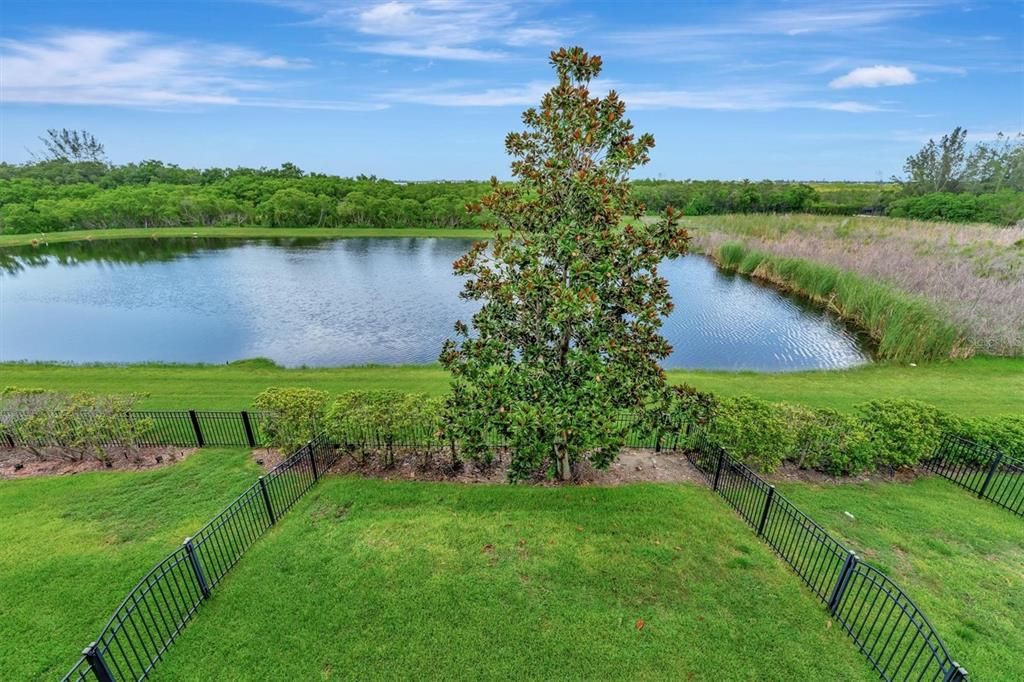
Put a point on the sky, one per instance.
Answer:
(417, 90)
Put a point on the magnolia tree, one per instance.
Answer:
(567, 336)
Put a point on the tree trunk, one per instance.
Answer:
(562, 466)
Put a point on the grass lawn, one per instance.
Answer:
(980, 386)
(72, 546)
(380, 580)
(959, 558)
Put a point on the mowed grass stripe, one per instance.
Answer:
(381, 580)
(982, 386)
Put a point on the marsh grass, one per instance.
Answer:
(971, 275)
(904, 328)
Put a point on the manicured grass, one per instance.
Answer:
(380, 580)
(979, 386)
(959, 558)
(235, 232)
(72, 546)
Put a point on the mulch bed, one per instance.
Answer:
(632, 466)
(24, 463)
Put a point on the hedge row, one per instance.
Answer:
(878, 434)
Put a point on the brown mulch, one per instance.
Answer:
(790, 473)
(632, 466)
(23, 463)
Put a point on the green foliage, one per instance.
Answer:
(756, 431)
(902, 433)
(1002, 208)
(891, 433)
(293, 415)
(385, 419)
(59, 195)
(79, 424)
(567, 334)
(905, 328)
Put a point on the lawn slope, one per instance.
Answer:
(959, 558)
(975, 387)
(376, 580)
(72, 546)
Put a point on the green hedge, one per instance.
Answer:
(887, 434)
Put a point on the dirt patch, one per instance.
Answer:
(24, 463)
(268, 458)
(790, 473)
(632, 466)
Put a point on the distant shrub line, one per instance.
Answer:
(57, 196)
(905, 328)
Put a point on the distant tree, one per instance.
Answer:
(937, 167)
(71, 145)
(567, 335)
(997, 165)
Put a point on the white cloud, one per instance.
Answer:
(465, 30)
(874, 77)
(141, 70)
(774, 98)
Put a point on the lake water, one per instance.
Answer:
(342, 302)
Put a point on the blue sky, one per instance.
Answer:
(419, 90)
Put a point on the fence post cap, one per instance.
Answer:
(187, 541)
(89, 649)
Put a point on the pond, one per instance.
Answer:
(343, 302)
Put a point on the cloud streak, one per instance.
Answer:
(135, 69)
(455, 30)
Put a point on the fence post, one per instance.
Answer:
(97, 664)
(841, 582)
(266, 500)
(955, 674)
(200, 442)
(764, 512)
(991, 473)
(248, 429)
(197, 569)
(312, 461)
(718, 467)
(657, 441)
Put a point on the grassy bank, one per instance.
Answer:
(74, 545)
(976, 387)
(440, 581)
(905, 328)
(961, 559)
(235, 233)
(972, 274)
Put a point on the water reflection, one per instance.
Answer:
(347, 301)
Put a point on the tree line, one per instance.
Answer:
(71, 186)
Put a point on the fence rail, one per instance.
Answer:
(156, 610)
(992, 474)
(198, 428)
(883, 621)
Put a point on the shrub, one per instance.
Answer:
(385, 419)
(1005, 434)
(80, 424)
(754, 430)
(292, 415)
(902, 433)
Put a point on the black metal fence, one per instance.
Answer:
(157, 609)
(886, 625)
(181, 428)
(992, 474)
(198, 428)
